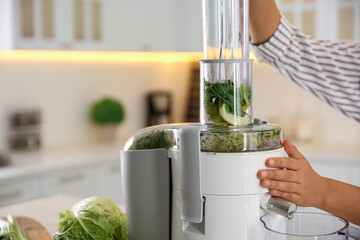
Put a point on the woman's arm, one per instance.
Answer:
(329, 70)
(300, 184)
(264, 20)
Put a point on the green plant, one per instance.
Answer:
(107, 111)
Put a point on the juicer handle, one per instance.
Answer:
(192, 201)
(278, 205)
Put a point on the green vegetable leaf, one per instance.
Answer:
(11, 229)
(92, 219)
(224, 93)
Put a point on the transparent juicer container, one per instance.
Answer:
(308, 226)
(226, 92)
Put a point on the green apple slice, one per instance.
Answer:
(230, 117)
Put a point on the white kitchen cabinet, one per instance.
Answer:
(54, 24)
(117, 25)
(158, 25)
(171, 25)
(337, 20)
(85, 24)
(109, 182)
(21, 191)
(78, 181)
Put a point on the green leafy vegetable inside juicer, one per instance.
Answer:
(220, 105)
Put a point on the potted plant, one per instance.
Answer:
(108, 114)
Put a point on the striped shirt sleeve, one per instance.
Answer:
(329, 70)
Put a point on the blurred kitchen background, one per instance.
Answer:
(59, 57)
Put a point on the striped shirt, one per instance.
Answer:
(329, 70)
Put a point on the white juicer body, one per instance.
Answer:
(231, 193)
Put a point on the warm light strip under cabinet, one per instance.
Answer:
(96, 56)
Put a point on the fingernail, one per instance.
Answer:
(266, 183)
(264, 174)
(271, 162)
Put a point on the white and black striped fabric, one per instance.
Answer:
(329, 70)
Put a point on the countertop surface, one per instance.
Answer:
(31, 163)
(43, 210)
(46, 210)
(330, 152)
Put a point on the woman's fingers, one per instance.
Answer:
(291, 150)
(280, 175)
(289, 187)
(283, 162)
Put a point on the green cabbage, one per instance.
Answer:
(93, 218)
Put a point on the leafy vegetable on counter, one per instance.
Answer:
(219, 103)
(92, 218)
(11, 229)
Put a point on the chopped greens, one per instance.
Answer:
(11, 229)
(239, 142)
(216, 139)
(219, 101)
(153, 139)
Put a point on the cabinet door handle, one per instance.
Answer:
(72, 178)
(11, 195)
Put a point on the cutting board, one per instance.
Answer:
(34, 230)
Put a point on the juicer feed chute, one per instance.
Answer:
(226, 72)
(226, 29)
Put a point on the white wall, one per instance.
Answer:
(64, 91)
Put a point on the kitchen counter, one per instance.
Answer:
(76, 170)
(330, 152)
(28, 164)
(46, 210)
(43, 210)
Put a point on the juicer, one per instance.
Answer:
(199, 181)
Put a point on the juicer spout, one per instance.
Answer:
(278, 205)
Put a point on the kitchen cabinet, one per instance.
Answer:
(109, 181)
(116, 25)
(53, 24)
(20, 191)
(337, 20)
(87, 178)
(172, 25)
(79, 181)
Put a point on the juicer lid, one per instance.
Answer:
(259, 136)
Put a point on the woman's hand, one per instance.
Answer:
(294, 179)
